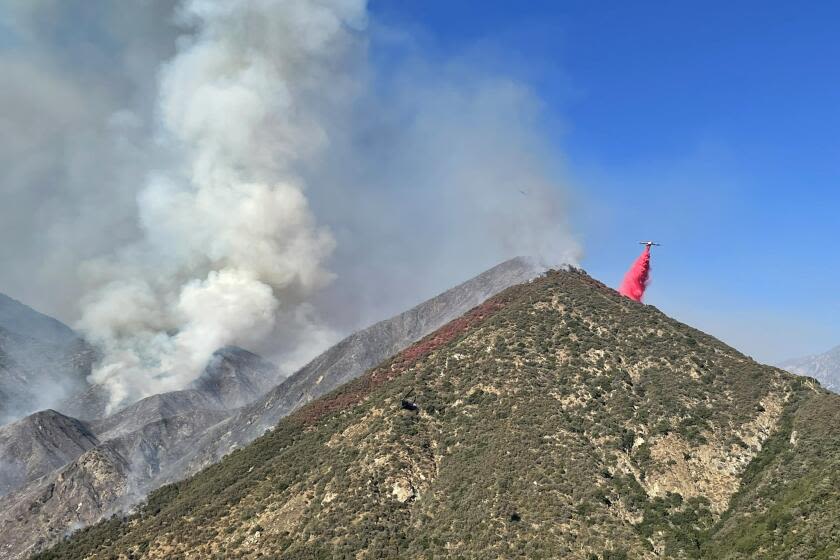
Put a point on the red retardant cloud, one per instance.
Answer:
(637, 278)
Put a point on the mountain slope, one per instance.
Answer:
(59, 473)
(789, 504)
(824, 367)
(25, 321)
(348, 359)
(233, 378)
(557, 419)
(236, 377)
(169, 436)
(38, 444)
(41, 360)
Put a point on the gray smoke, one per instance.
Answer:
(239, 172)
(442, 172)
(77, 101)
(229, 244)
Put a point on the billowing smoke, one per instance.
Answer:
(246, 173)
(637, 278)
(229, 243)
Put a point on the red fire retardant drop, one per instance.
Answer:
(637, 278)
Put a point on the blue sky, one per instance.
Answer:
(712, 128)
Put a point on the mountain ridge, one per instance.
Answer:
(825, 367)
(556, 420)
(163, 437)
(41, 361)
(24, 320)
(37, 444)
(349, 358)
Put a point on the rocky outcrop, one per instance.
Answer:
(76, 495)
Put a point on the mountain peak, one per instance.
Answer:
(166, 437)
(235, 377)
(35, 445)
(556, 419)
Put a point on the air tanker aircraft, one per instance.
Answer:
(649, 243)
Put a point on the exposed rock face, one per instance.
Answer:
(168, 436)
(556, 420)
(39, 444)
(41, 361)
(73, 497)
(823, 367)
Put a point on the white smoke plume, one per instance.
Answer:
(243, 172)
(229, 243)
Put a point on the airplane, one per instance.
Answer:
(649, 243)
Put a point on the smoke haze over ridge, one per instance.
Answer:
(246, 173)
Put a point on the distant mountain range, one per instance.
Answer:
(61, 472)
(557, 419)
(823, 367)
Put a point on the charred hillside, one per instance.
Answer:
(557, 419)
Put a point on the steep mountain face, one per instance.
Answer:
(235, 377)
(96, 477)
(348, 359)
(168, 436)
(89, 405)
(38, 444)
(555, 420)
(824, 367)
(41, 361)
(153, 409)
(45, 441)
(25, 321)
(63, 473)
(113, 475)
